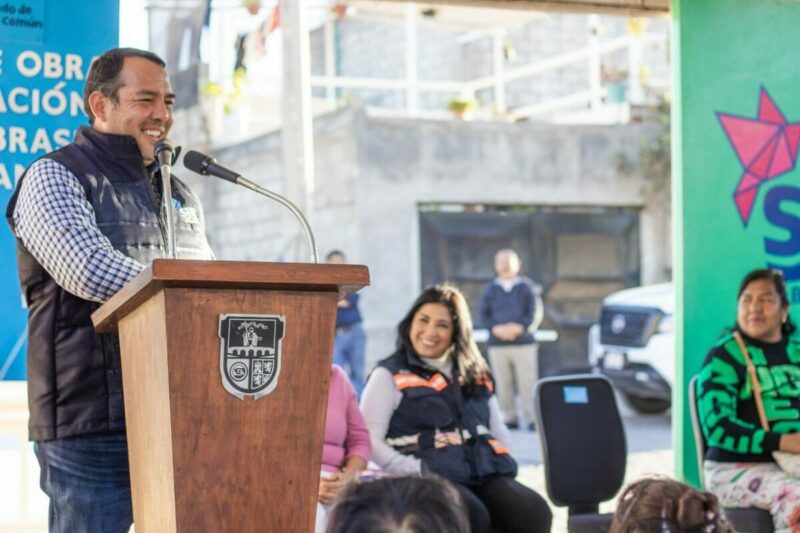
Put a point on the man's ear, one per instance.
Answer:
(98, 103)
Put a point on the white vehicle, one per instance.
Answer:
(634, 346)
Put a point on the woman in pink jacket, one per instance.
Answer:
(347, 447)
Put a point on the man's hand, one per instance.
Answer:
(508, 331)
(343, 303)
(516, 330)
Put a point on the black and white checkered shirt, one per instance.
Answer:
(56, 223)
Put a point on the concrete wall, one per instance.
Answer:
(371, 174)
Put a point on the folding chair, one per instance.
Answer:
(745, 519)
(583, 446)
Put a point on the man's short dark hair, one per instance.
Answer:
(334, 253)
(104, 74)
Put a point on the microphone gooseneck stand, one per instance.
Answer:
(244, 182)
(206, 165)
(169, 210)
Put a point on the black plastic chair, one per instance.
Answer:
(583, 446)
(745, 519)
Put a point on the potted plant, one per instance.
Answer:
(615, 81)
(459, 106)
(252, 6)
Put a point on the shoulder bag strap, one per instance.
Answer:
(751, 371)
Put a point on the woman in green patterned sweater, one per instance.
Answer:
(739, 466)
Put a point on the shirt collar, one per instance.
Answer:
(109, 144)
(508, 285)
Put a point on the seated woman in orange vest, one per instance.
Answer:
(430, 407)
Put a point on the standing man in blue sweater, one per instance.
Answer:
(507, 309)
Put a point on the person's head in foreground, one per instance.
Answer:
(661, 505)
(762, 311)
(399, 505)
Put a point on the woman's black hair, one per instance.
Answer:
(399, 504)
(431, 295)
(776, 278)
(465, 352)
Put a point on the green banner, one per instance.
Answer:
(737, 186)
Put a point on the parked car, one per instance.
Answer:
(634, 346)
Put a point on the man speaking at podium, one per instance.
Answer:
(88, 218)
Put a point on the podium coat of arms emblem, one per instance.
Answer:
(250, 353)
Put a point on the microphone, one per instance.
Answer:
(165, 153)
(205, 165)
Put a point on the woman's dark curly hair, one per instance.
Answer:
(655, 505)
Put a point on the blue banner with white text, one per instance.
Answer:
(46, 47)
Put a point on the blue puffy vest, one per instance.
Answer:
(444, 422)
(74, 374)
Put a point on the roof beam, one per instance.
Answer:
(618, 7)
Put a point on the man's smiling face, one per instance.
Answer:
(143, 107)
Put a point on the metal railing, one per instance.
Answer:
(591, 97)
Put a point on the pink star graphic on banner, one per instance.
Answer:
(766, 146)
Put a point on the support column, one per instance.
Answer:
(635, 91)
(498, 65)
(595, 83)
(297, 132)
(412, 93)
(330, 57)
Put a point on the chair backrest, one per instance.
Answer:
(583, 440)
(699, 439)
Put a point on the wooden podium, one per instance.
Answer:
(193, 334)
